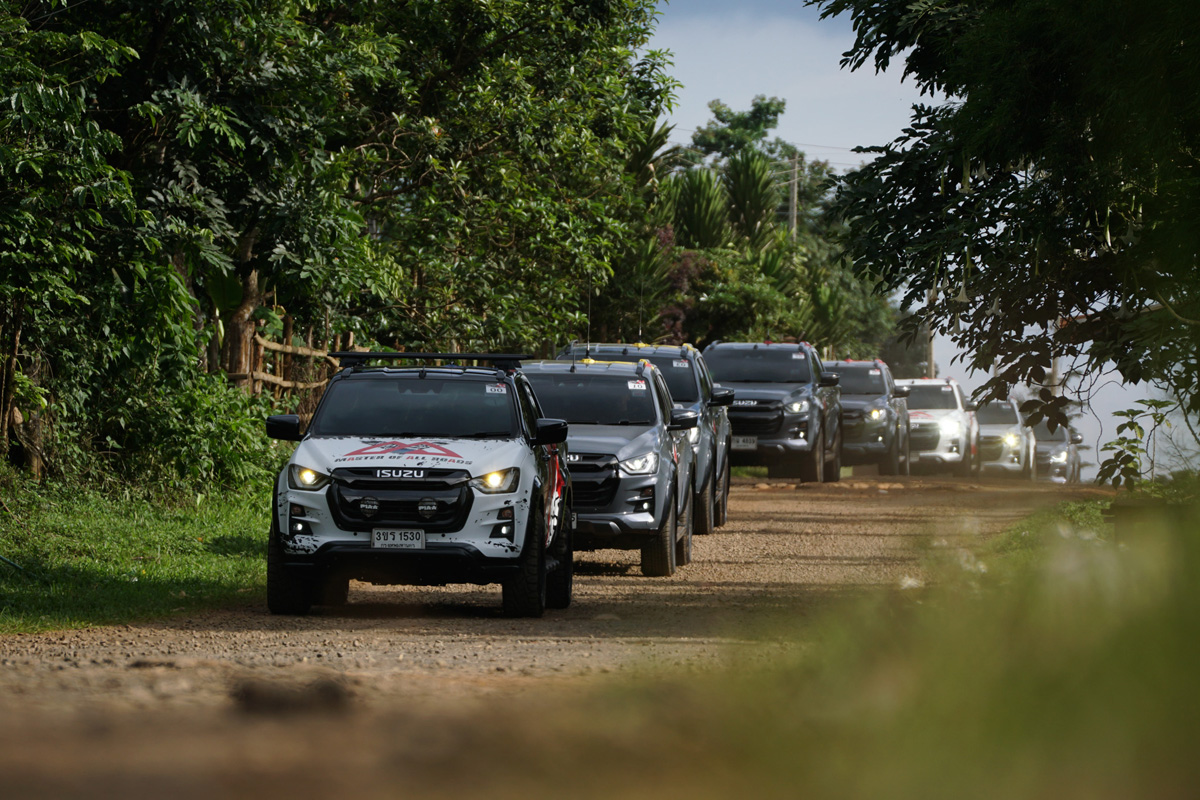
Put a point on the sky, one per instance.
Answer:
(733, 51)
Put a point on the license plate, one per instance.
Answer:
(745, 443)
(398, 539)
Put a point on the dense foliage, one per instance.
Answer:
(176, 174)
(1047, 211)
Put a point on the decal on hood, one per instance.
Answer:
(435, 453)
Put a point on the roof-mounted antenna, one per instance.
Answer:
(587, 353)
(572, 348)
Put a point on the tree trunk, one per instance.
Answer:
(9, 369)
(238, 350)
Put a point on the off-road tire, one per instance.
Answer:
(721, 498)
(812, 464)
(524, 594)
(658, 555)
(683, 544)
(906, 470)
(560, 583)
(890, 463)
(286, 592)
(706, 507)
(833, 469)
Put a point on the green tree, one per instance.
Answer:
(1047, 211)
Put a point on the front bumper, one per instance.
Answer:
(614, 510)
(436, 565)
(865, 442)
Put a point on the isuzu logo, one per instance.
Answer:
(399, 473)
(427, 507)
(368, 506)
(745, 402)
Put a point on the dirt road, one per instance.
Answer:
(397, 686)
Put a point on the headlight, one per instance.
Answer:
(498, 482)
(877, 414)
(1011, 440)
(797, 407)
(640, 465)
(306, 478)
(950, 427)
(1060, 457)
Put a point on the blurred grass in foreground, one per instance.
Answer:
(1056, 661)
(74, 559)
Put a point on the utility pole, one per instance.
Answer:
(794, 192)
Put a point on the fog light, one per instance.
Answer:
(298, 511)
(505, 513)
(645, 505)
(504, 531)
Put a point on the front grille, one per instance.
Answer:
(991, 448)
(399, 500)
(761, 419)
(594, 480)
(924, 437)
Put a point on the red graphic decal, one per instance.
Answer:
(403, 449)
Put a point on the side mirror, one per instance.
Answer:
(829, 379)
(902, 391)
(721, 397)
(971, 406)
(682, 419)
(1076, 438)
(550, 431)
(285, 427)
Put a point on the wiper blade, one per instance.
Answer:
(489, 435)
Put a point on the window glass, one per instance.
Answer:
(765, 365)
(999, 413)
(1043, 433)
(860, 380)
(388, 406)
(584, 398)
(679, 375)
(932, 395)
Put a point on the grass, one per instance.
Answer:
(1064, 669)
(72, 559)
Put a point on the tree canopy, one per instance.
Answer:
(1047, 209)
(177, 174)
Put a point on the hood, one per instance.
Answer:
(859, 401)
(622, 441)
(768, 391)
(477, 456)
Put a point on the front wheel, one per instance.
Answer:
(560, 583)
(658, 555)
(286, 592)
(812, 464)
(683, 544)
(833, 470)
(706, 511)
(721, 497)
(524, 594)
(890, 463)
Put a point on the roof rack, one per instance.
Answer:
(356, 359)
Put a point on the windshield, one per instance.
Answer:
(585, 399)
(1003, 413)
(388, 406)
(681, 381)
(1044, 434)
(765, 365)
(860, 380)
(931, 395)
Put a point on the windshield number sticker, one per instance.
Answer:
(799, 357)
(681, 363)
(637, 386)
(947, 388)
(498, 388)
(874, 372)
